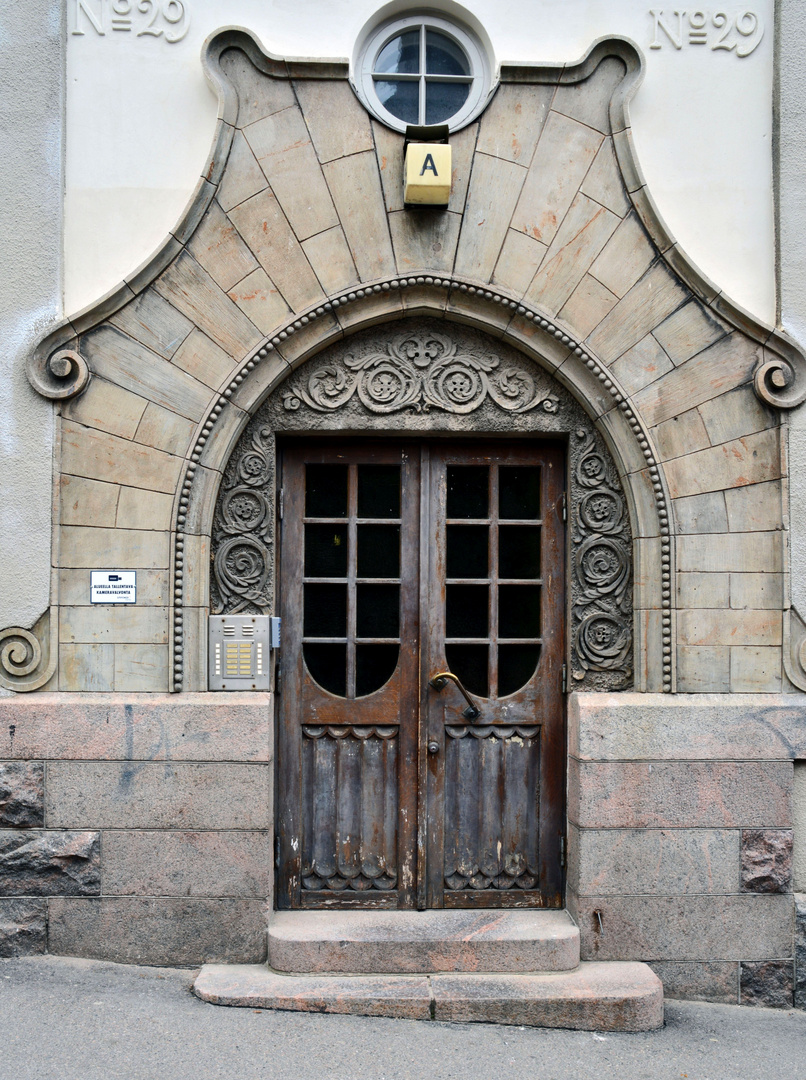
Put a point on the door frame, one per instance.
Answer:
(419, 895)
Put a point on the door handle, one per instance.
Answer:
(441, 680)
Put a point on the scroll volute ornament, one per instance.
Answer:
(58, 374)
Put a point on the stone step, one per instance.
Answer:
(421, 942)
(598, 996)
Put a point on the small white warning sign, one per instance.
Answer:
(113, 587)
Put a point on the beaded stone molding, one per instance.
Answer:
(395, 285)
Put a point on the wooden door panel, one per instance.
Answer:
(496, 620)
(350, 810)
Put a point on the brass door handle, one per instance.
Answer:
(441, 680)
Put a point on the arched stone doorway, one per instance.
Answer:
(501, 487)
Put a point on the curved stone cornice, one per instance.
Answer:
(57, 370)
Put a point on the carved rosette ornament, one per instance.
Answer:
(242, 532)
(419, 372)
(602, 569)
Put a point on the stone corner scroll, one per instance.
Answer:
(28, 657)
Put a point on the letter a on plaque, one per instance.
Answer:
(427, 174)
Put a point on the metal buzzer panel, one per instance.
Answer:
(239, 652)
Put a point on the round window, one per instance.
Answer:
(423, 70)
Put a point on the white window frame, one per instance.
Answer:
(480, 67)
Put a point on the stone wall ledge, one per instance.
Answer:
(137, 727)
(657, 727)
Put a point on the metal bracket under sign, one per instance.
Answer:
(239, 652)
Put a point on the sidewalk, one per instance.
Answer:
(68, 1019)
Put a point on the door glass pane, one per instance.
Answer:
(466, 611)
(516, 666)
(444, 56)
(325, 611)
(325, 490)
(518, 551)
(467, 551)
(374, 666)
(377, 611)
(327, 665)
(469, 663)
(443, 100)
(519, 492)
(401, 55)
(379, 551)
(325, 550)
(379, 491)
(468, 491)
(519, 611)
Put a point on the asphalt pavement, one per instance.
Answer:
(69, 1019)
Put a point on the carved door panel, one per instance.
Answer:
(402, 562)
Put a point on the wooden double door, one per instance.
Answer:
(421, 722)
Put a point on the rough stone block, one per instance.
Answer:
(768, 983)
(22, 793)
(677, 794)
(693, 980)
(50, 863)
(23, 927)
(660, 861)
(739, 927)
(162, 863)
(142, 795)
(800, 950)
(766, 860)
(170, 932)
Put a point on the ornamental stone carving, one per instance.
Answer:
(243, 529)
(429, 377)
(419, 371)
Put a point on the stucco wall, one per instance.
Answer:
(31, 108)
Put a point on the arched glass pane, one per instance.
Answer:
(374, 667)
(444, 100)
(443, 56)
(327, 665)
(516, 666)
(469, 662)
(401, 55)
